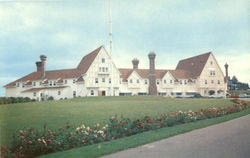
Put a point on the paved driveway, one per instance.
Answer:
(226, 140)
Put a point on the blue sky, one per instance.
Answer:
(65, 31)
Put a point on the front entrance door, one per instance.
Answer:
(103, 93)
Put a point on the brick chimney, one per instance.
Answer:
(40, 65)
(135, 63)
(226, 78)
(152, 89)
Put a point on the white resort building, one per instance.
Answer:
(97, 75)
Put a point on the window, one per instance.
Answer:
(59, 92)
(54, 83)
(34, 94)
(100, 69)
(185, 81)
(171, 81)
(23, 84)
(96, 80)
(65, 81)
(106, 69)
(211, 62)
(180, 81)
(34, 83)
(50, 83)
(137, 81)
(157, 82)
(131, 81)
(40, 83)
(146, 81)
(103, 69)
(212, 81)
(92, 92)
(165, 81)
(218, 81)
(103, 79)
(74, 81)
(205, 91)
(205, 81)
(17, 84)
(109, 80)
(103, 60)
(212, 73)
(74, 94)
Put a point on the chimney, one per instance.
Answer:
(40, 65)
(226, 78)
(135, 63)
(152, 89)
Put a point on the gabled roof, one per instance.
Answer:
(50, 75)
(180, 74)
(125, 73)
(82, 68)
(194, 65)
(87, 60)
(159, 73)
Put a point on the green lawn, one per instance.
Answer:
(91, 110)
(141, 139)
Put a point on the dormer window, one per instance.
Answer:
(103, 60)
(74, 81)
(54, 83)
(50, 83)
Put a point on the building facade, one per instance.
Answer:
(97, 75)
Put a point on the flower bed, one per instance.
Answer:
(30, 142)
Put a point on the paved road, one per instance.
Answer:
(226, 140)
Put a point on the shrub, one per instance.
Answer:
(31, 143)
(12, 100)
(50, 98)
(197, 95)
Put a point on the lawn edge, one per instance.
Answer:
(113, 146)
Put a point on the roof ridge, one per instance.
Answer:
(197, 56)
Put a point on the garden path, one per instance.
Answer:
(225, 140)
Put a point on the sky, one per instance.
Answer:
(65, 31)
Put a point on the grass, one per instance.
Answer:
(141, 139)
(91, 110)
